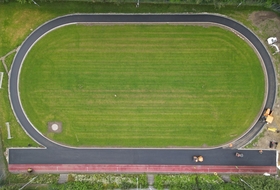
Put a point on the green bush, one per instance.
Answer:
(256, 181)
(102, 181)
(71, 178)
(208, 182)
(214, 182)
(175, 182)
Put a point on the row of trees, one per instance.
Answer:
(267, 3)
(215, 182)
(76, 181)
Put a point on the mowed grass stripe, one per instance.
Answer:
(174, 85)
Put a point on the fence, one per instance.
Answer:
(191, 2)
(197, 2)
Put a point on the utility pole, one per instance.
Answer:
(8, 130)
(246, 183)
(1, 78)
(239, 4)
(35, 3)
(28, 183)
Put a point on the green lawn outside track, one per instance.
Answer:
(142, 85)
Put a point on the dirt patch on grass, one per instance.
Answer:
(267, 24)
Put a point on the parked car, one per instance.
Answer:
(198, 158)
(273, 144)
(271, 40)
(239, 155)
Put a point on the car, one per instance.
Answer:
(239, 155)
(198, 158)
(273, 144)
(29, 170)
(271, 40)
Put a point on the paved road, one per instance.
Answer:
(55, 154)
(140, 156)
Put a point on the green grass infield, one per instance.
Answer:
(142, 85)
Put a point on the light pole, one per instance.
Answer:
(246, 183)
(28, 183)
(137, 182)
(8, 130)
(35, 3)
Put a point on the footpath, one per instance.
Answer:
(2, 162)
(2, 157)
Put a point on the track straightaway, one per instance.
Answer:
(58, 154)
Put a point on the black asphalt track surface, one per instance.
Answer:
(58, 154)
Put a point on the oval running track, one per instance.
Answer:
(61, 159)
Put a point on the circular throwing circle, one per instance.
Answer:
(54, 127)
